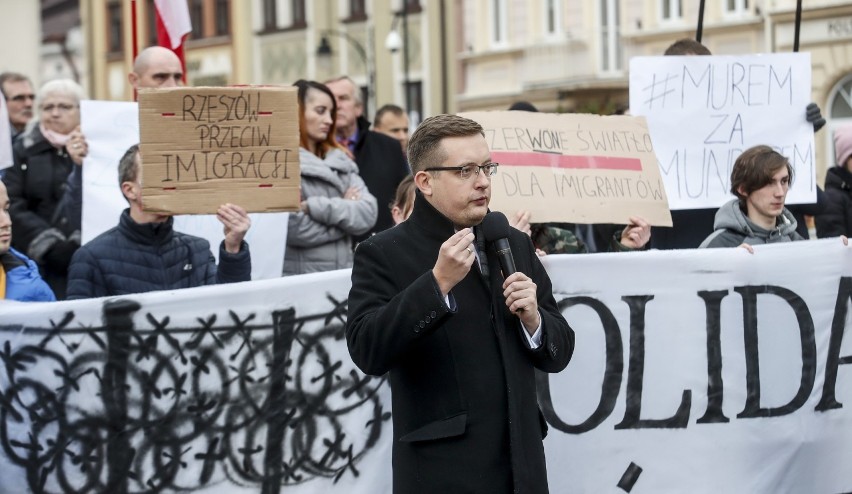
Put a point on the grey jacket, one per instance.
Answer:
(733, 228)
(321, 239)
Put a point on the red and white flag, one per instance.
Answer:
(173, 24)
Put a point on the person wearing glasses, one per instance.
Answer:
(44, 156)
(336, 205)
(429, 307)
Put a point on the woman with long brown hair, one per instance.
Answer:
(335, 202)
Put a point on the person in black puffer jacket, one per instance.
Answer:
(836, 220)
(44, 155)
(144, 253)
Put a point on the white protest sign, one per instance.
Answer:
(699, 371)
(6, 159)
(704, 111)
(110, 128)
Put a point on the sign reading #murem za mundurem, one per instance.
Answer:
(204, 146)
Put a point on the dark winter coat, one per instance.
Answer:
(382, 166)
(138, 258)
(465, 412)
(836, 220)
(37, 187)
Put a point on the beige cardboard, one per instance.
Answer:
(204, 146)
(574, 168)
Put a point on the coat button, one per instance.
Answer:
(428, 319)
(416, 328)
(434, 314)
(422, 324)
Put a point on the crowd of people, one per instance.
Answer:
(411, 218)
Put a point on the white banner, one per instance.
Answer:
(111, 127)
(704, 111)
(6, 158)
(698, 371)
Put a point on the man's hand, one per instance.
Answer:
(636, 234)
(236, 222)
(520, 293)
(454, 260)
(521, 221)
(77, 147)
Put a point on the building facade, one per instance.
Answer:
(281, 41)
(573, 55)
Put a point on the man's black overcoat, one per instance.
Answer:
(465, 414)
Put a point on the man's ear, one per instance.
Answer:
(133, 79)
(423, 181)
(742, 192)
(129, 191)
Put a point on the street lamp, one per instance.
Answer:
(324, 50)
(394, 42)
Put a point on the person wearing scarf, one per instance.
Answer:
(47, 224)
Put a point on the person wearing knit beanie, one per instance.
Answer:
(836, 219)
(843, 145)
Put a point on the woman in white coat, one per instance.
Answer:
(336, 204)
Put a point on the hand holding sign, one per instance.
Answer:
(236, 222)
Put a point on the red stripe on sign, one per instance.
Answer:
(167, 114)
(265, 185)
(553, 160)
(264, 113)
(169, 188)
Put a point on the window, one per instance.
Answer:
(414, 92)
(413, 6)
(736, 6)
(552, 21)
(270, 15)
(196, 16)
(115, 32)
(152, 24)
(357, 10)
(610, 43)
(223, 18)
(672, 9)
(498, 22)
(841, 100)
(298, 7)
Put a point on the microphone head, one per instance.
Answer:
(495, 226)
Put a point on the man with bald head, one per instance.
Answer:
(154, 67)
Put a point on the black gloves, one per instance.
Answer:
(58, 257)
(814, 116)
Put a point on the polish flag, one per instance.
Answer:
(173, 24)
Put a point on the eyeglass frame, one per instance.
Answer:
(477, 168)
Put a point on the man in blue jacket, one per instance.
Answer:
(144, 253)
(19, 276)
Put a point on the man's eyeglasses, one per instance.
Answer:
(62, 107)
(467, 171)
(21, 97)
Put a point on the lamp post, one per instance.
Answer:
(394, 42)
(324, 50)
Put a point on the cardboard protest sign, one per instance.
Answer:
(203, 146)
(703, 112)
(6, 159)
(574, 168)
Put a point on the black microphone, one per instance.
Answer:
(495, 229)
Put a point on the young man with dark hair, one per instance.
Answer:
(760, 179)
(19, 276)
(461, 344)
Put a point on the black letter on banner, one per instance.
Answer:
(806, 333)
(612, 374)
(833, 360)
(715, 386)
(635, 371)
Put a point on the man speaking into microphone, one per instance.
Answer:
(429, 306)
